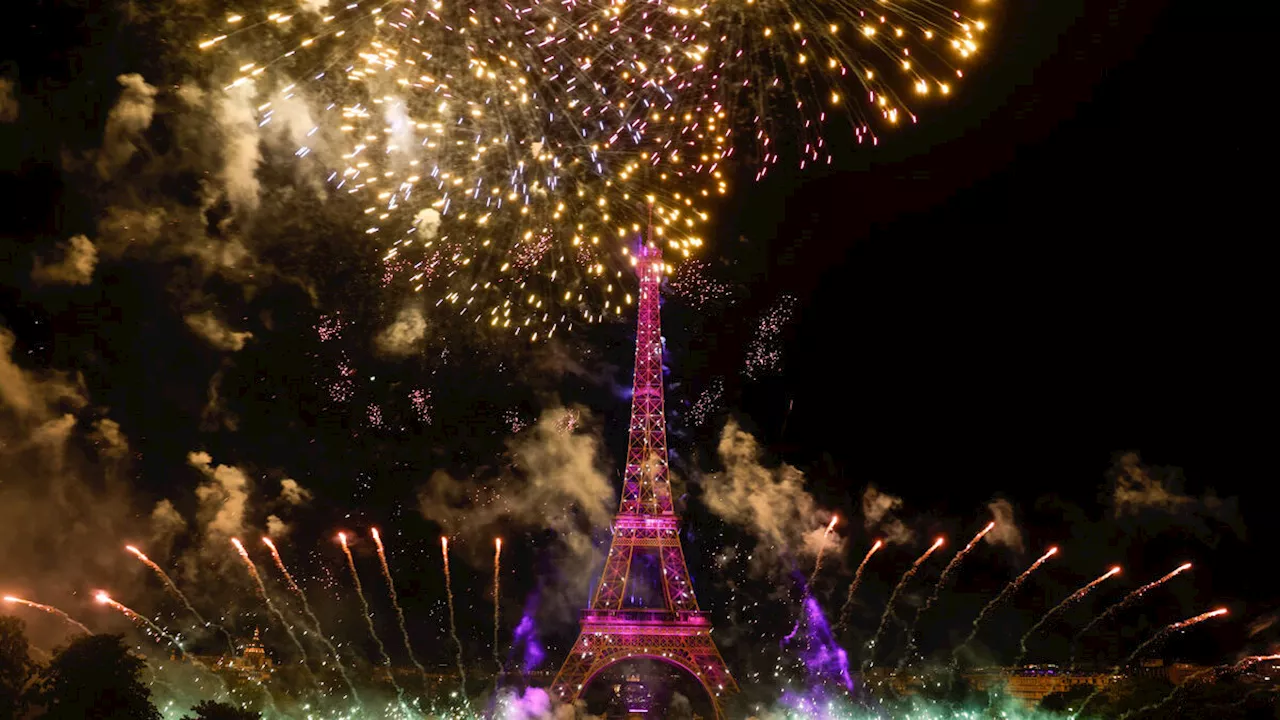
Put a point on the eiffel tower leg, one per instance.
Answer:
(695, 653)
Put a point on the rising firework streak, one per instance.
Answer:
(395, 602)
(1071, 599)
(947, 572)
(49, 609)
(453, 625)
(853, 586)
(368, 617)
(1006, 592)
(888, 607)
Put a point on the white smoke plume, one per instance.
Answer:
(10, 108)
(223, 496)
(126, 122)
(211, 329)
(276, 528)
(77, 259)
(554, 483)
(402, 336)
(34, 395)
(109, 439)
(1136, 489)
(427, 223)
(242, 152)
(773, 503)
(293, 493)
(166, 523)
(314, 6)
(878, 515)
(1006, 531)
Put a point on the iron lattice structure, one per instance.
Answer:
(677, 632)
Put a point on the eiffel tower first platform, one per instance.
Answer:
(673, 630)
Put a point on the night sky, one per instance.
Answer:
(1059, 266)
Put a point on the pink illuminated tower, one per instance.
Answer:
(671, 628)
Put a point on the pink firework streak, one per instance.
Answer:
(49, 609)
(853, 586)
(888, 607)
(1072, 599)
(1006, 592)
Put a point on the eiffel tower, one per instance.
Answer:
(613, 629)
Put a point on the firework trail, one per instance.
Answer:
(395, 601)
(947, 572)
(1129, 599)
(1006, 592)
(453, 626)
(173, 590)
(306, 606)
(1195, 678)
(102, 597)
(853, 586)
(1071, 599)
(1164, 633)
(266, 599)
(893, 596)
(49, 609)
(497, 579)
(822, 548)
(368, 618)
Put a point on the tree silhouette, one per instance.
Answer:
(95, 678)
(209, 710)
(16, 668)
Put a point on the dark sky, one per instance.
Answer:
(1059, 266)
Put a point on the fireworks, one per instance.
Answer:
(888, 607)
(853, 586)
(315, 622)
(266, 599)
(49, 609)
(506, 155)
(947, 572)
(1129, 599)
(822, 548)
(764, 353)
(103, 598)
(395, 600)
(173, 590)
(1071, 599)
(1006, 592)
(497, 584)
(453, 623)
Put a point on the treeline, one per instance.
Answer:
(94, 677)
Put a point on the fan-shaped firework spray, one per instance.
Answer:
(888, 607)
(49, 609)
(853, 586)
(1165, 632)
(1071, 600)
(1006, 592)
(266, 599)
(947, 572)
(453, 625)
(395, 602)
(497, 581)
(315, 622)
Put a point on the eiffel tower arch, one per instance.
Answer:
(670, 628)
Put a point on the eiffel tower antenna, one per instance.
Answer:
(676, 631)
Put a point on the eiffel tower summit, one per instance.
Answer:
(624, 622)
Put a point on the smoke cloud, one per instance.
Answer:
(293, 493)
(427, 223)
(1006, 531)
(223, 496)
(402, 337)
(878, 515)
(9, 105)
(553, 483)
(125, 123)
(773, 504)
(276, 527)
(210, 328)
(242, 151)
(77, 259)
(1137, 489)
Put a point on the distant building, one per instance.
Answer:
(1033, 684)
